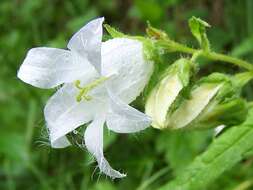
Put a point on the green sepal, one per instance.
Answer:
(232, 112)
(242, 79)
(113, 32)
(184, 68)
(228, 89)
(155, 33)
(198, 29)
(150, 51)
(232, 86)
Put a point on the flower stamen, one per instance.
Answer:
(83, 93)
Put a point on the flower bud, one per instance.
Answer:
(214, 101)
(168, 91)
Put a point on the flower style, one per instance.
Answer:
(99, 80)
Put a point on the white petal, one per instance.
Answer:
(166, 94)
(150, 108)
(191, 109)
(94, 142)
(48, 67)
(219, 129)
(63, 113)
(123, 118)
(87, 42)
(125, 57)
(57, 142)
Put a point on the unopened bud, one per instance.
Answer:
(168, 91)
(213, 101)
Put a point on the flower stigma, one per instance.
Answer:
(83, 93)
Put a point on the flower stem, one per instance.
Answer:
(173, 46)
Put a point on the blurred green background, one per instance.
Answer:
(150, 158)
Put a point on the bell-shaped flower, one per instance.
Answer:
(99, 80)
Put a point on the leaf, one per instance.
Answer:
(181, 147)
(198, 29)
(225, 151)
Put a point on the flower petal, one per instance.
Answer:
(63, 113)
(94, 142)
(125, 57)
(49, 67)
(123, 118)
(57, 142)
(191, 108)
(87, 42)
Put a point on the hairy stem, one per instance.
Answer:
(173, 46)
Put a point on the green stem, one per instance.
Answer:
(196, 55)
(173, 46)
(40, 177)
(229, 59)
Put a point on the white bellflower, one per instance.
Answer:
(99, 80)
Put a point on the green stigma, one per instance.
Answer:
(83, 91)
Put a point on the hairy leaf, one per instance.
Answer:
(223, 153)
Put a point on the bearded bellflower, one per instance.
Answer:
(99, 80)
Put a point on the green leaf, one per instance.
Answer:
(225, 151)
(198, 29)
(181, 147)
